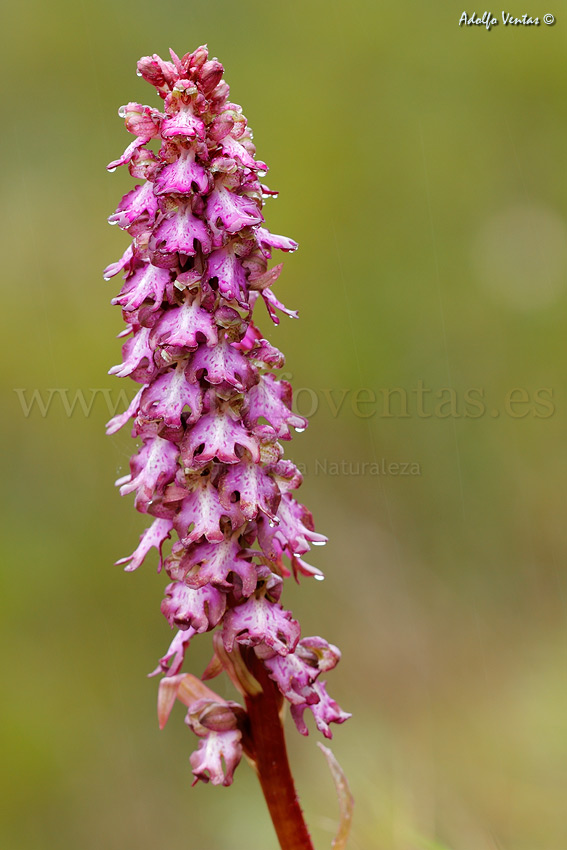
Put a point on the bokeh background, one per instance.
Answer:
(422, 169)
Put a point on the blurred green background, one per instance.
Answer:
(422, 169)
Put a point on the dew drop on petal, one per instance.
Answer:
(110, 170)
(138, 72)
(319, 578)
(122, 112)
(300, 430)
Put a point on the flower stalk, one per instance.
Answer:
(211, 415)
(269, 752)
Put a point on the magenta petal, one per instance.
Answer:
(127, 155)
(160, 74)
(140, 201)
(325, 711)
(272, 303)
(226, 267)
(295, 527)
(168, 396)
(268, 240)
(293, 678)
(178, 232)
(295, 673)
(252, 486)
(143, 121)
(260, 621)
(120, 265)
(137, 354)
(271, 399)
(117, 422)
(181, 176)
(222, 364)
(148, 281)
(236, 150)
(152, 468)
(213, 563)
(201, 512)
(216, 435)
(154, 536)
(217, 758)
(266, 355)
(234, 211)
(172, 661)
(200, 608)
(186, 326)
(183, 123)
(210, 76)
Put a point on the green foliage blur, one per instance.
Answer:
(422, 169)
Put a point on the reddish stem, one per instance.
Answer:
(270, 754)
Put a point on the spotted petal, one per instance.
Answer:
(217, 758)
(198, 608)
(259, 621)
(217, 435)
(214, 563)
(248, 484)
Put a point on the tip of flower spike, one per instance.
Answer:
(176, 60)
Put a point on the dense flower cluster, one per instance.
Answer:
(210, 412)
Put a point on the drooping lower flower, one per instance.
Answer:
(211, 411)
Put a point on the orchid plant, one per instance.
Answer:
(211, 415)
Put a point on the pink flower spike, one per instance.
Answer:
(211, 417)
